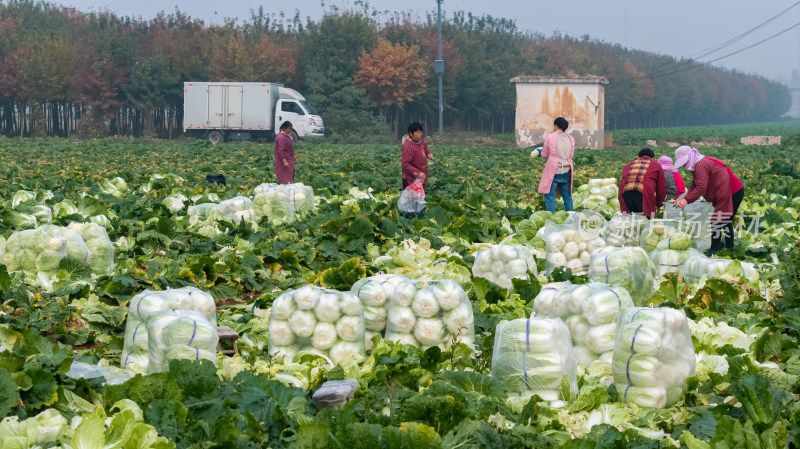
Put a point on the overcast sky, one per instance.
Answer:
(675, 27)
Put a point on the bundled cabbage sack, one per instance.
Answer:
(653, 356)
(570, 246)
(237, 208)
(76, 246)
(101, 250)
(36, 253)
(625, 229)
(501, 263)
(695, 219)
(534, 357)
(671, 260)
(527, 231)
(283, 203)
(203, 211)
(149, 303)
(179, 334)
(589, 312)
(375, 293)
(318, 320)
(427, 313)
(543, 301)
(699, 266)
(627, 267)
(666, 231)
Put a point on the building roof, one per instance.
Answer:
(590, 79)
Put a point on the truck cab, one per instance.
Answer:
(292, 106)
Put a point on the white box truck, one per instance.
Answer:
(245, 111)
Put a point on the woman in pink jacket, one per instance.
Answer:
(558, 148)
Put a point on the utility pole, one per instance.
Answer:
(439, 66)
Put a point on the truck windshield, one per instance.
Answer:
(308, 108)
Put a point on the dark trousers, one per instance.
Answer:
(724, 228)
(633, 199)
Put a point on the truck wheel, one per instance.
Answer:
(295, 137)
(216, 137)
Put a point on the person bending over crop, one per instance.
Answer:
(715, 182)
(643, 186)
(675, 185)
(414, 158)
(558, 148)
(284, 154)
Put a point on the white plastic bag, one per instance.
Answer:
(532, 356)
(501, 263)
(628, 267)
(334, 393)
(696, 220)
(283, 203)
(375, 293)
(653, 356)
(412, 200)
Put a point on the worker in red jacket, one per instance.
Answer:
(711, 179)
(643, 187)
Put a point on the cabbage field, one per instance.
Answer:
(487, 323)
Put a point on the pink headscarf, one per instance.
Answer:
(666, 163)
(687, 156)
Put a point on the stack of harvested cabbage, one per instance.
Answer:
(374, 293)
(625, 229)
(203, 211)
(501, 263)
(544, 300)
(36, 253)
(318, 320)
(657, 231)
(283, 203)
(238, 208)
(695, 218)
(179, 335)
(101, 250)
(570, 248)
(653, 356)
(528, 231)
(589, 311)
(599, 195)
(428, 313)
(627, 267)
(150, 303)
(699, 266)
(534, 357)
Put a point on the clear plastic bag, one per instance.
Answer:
(111, 374)
(375, 293)
(317, 320)
(237, 208)
(628, 267)
(149, 303)
(532, 356)
(179, 334)
(101, 250)
(696, 220)
(589, 312)
(670, 260)
(412, 200)
(203, 211)
(625, 229)
(283, 203)
(501, 263)
(334, 393)
(544, 300)
(36, 253)
(653, 356)
(428, 313)
(569, 246)
(699, 267)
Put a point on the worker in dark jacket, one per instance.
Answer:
(643, 187)
(710, 180)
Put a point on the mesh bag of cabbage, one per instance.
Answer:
(671, 260)
(179, 334)
(501, 263)
(568, 245)
(589, 312)
(699, 266)
(101, 250)
(36, 253)
(653, 356)
(374, 293)
(625, 229)
(283, 203)
(695, 219)
(317, 320)
(628, 267)
(428, 313)
(153, 302)
(534, 357)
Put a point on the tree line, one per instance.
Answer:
(65, 72)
